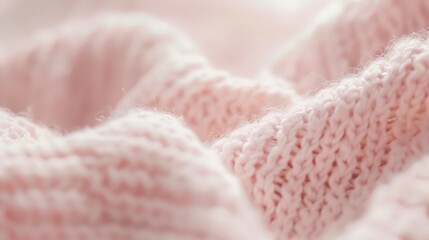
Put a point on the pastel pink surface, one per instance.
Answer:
(114, 124)
(225, 30)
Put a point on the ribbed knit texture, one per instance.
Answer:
(115, 125)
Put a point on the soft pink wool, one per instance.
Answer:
(115, 126)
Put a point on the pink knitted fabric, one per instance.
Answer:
(115, 125)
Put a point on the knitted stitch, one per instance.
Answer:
(116, 126)
(321, 159)
(404, 199)
(122, 180)
(20, 129)
(360, 30)
(169, 73)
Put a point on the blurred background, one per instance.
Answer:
(235, 35)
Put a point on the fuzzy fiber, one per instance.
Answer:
(217, 120)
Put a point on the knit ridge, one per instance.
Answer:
(116, 125)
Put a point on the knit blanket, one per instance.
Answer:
(217, 120)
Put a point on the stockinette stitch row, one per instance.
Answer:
(311, 165)
(89, 68)
(405, 200)
(310, 169)
(19, 129)
(338, 45)
(103, 183)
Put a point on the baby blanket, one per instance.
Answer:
(220, 120)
